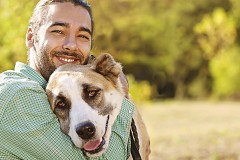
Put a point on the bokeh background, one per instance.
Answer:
(182, 60)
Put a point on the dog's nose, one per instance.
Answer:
(86, 130)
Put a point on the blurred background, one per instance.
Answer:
(182, 60)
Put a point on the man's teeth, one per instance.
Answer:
(66, 59)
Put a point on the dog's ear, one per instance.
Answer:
(108, 67)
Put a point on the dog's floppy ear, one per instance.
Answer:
(108, 67)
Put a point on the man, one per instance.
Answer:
(60, 31)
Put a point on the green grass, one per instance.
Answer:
(193, 130)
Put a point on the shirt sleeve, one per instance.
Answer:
(30, 130)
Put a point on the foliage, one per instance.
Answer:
(225, 70)
(217, 32)
(217, 37)
(14, 20)
(140, 92)
(156, 41)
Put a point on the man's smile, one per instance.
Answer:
(68, 59)
(65, 57)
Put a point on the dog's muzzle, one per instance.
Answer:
(86, 131)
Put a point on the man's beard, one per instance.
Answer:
(46, 64)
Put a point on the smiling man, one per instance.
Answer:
(60, 31)
(65, 36)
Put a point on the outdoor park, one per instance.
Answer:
(193, 130)
(181, 59)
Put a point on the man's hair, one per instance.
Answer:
(41, 9)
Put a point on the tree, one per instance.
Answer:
(155, 41)
(217, 35)
(14, 21)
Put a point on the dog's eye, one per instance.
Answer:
(60, 104)
(93, 93)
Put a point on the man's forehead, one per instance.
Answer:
(68, 13)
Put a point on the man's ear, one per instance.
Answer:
(29, 38)
(108, 67)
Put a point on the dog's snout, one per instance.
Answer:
(86, 130)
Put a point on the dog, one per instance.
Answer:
(87, 100)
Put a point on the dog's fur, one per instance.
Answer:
(87, 99)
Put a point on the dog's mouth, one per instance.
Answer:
(95, 146)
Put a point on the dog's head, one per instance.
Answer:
(87, 99)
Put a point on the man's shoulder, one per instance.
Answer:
(12, 79)
(12, 82)
(14, 85)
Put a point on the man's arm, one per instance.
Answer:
(30, 130)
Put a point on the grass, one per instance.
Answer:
(193, 130)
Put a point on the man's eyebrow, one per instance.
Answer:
(60, 24)
(85, 29)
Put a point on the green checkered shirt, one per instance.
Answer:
(29, 130)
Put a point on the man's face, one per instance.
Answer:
(65, 37)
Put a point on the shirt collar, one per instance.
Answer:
(31, 73)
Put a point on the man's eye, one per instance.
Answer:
(83, 37)
(57, 31)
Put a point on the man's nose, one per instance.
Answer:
(70, 43)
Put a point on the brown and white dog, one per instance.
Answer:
(87, 99)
